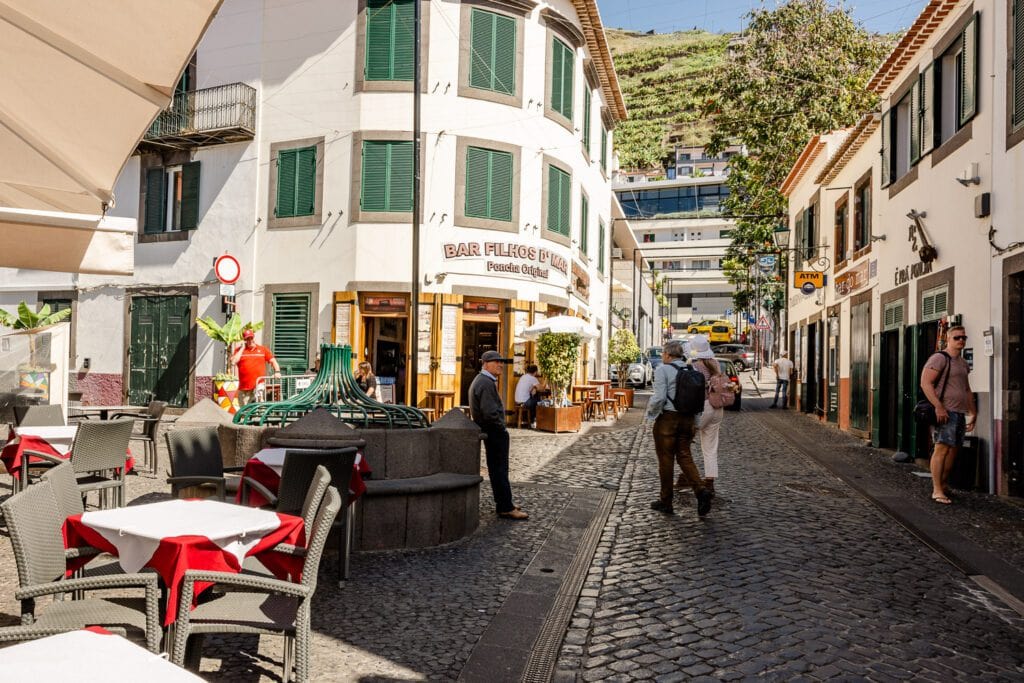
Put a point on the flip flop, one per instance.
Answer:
(941, 500)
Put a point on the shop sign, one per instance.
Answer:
(384, 304)
(912, 272)
(853, 279)
(580, 281)
(510, 257)
(811, 277)
(481, 307)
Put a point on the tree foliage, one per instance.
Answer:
(801, 69)
(228, 334)
(557, 353)
(623, 350)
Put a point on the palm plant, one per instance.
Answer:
(228, 334)
(33, 321)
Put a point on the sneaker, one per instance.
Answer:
(662, 506)
(704, 502)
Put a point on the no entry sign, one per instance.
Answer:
(227, 269)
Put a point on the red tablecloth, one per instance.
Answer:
(11, 456)
(270, 478)
(175, 555)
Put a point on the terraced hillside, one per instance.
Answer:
(657, 73)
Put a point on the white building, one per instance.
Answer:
(290, 147)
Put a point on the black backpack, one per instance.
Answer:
(690, 391)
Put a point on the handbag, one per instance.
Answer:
(924, 411)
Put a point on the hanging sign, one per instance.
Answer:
(227, 269)
(800, 277)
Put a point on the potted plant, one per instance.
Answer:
(225, 384)
(556, 355)
(623, 350)
(36, 373)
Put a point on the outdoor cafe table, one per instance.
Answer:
(582, 391)
(174, 536)
(91, 655)
(103, 412)
(439, 399)
(53, 440)
(265, 466)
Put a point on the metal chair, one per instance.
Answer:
(150, 426)
(99, 456)
(260, 605)
(195, 460)
(34, 522)
(39, 416)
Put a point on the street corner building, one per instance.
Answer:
(289, 145)
(910, 222)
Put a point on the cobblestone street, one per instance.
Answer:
(793, 574)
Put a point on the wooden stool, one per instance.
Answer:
(522, 415)
(612, 404)
(597, 406)
(429, 412)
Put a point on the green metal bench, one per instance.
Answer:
(334, 388)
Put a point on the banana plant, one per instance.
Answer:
(30, 320)
(228, 334)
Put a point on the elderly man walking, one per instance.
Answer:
(673, 433)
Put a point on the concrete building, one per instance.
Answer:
(289, 146)
(919, 208)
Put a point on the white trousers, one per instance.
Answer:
(710, 423)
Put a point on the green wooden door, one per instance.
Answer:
(158, 353)
(860, 365)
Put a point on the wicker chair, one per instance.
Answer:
(258, 604)
(98, 456)
(39, 416)
(150, 426)
(195, 460)
(296, 479)
(34, 522)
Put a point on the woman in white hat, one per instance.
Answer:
(703, 359)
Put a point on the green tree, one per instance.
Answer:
(557, 353)
(623, 350)
(799, 70)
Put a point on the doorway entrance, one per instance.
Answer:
(1014, 374)
(811, 402)
(159, 352)
(891, 392)
(860, 365)
(477, 337)
(385, 351)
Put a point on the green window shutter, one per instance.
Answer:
(600, 245)
(969, 72)
(604, 149)
(156, 200)
(926, 85)
(400, 176)
(886, 151)
(1018, 62)
(286, 172)
(588, 99)
(305, 181)
(568, 71)
(559, 194)
(584, 222)
(488, 184)
(389, 40)
(190, 195)
(915, 123)
(566, 196)
(290, 340)
(556, 75)
(386, 176)
(500, 180)
(493, 48)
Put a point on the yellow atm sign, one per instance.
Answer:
(803, 277)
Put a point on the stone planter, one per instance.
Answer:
(615, 391)
(225, 393)
(551, 419)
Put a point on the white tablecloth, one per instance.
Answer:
(87, 657)
(136, 531)
(60, 438)
(274, 458)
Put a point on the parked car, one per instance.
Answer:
(740, 354)
(729, 368)
(640, 374)
(654, 356)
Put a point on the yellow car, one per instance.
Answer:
(717, 331)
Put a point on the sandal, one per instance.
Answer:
(941, 500)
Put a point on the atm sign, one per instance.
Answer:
(802, 277)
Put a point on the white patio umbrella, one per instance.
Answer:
(561, 323)
(81, 83)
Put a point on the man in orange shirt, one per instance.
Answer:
(251, 360)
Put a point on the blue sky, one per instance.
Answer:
(665, 16)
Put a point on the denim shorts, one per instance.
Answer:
(951, 432)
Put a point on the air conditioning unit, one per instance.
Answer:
(616, 252)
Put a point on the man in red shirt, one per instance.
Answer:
(251, 360)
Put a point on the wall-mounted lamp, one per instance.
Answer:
(878, 238)
(914, 214)
(975, 180)
(970, 176)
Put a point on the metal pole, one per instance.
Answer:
(757, 315)
(417, 208)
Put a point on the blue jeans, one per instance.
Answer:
(784, 385)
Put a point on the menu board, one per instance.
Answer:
(448, 329)
(519, 347)
(343, 323)
(423, 339)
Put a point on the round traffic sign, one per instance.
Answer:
(807, 288)
(227, 269)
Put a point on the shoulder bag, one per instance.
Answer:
(924, 411)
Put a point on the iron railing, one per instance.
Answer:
(223, 107)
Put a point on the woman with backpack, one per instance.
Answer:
(720, 393)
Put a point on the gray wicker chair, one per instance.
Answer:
(34, 522)
(98, 456)
(258, 604)
(296, 479)
(195, 460)
(150, 422)
(69, 501)
(39, 416)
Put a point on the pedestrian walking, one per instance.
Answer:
(955, 411)
(702, 359)
(783, 367)
(673, 432)
(488, 413)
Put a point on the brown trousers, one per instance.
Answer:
(672, 436)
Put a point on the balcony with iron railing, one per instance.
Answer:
(211, 116)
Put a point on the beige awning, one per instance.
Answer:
(66, 242)
(81, 83)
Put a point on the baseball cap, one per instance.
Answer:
(248, 334)
(493, 355)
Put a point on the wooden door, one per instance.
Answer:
(158, 354)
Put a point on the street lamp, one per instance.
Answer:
(781, 236)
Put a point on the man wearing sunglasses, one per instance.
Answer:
(945, 384)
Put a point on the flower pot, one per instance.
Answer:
(35, 381)
(551, 419)
(225, 393)
(615, 391)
